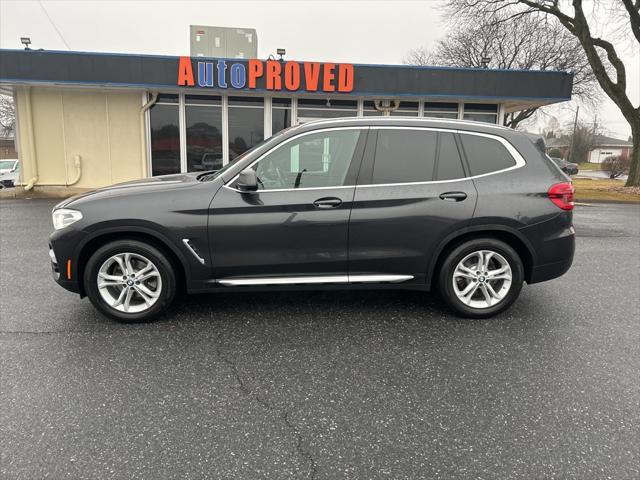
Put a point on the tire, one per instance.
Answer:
(151, 292)
(466, 257)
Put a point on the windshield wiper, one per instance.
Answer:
(204, 177)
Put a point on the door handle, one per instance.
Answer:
(328, 202)
(453, 196)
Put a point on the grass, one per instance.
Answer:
(589, 166)
(591, 189)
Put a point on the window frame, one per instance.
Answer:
(477, 110)
(515, 155)
(352, 171)
(191, 101)
(149, 132)
(366, 171)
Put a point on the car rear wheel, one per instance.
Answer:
(129, 281)
(481, 278)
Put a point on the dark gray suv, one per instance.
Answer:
(472, 209)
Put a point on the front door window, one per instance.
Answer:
(309, 161)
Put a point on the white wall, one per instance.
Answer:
(598, 155)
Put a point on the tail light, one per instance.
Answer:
(562, 195)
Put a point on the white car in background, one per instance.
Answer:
(9, 171)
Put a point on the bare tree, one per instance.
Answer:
(521, 43)
(7, 116)
(582, 141)
(590, 28)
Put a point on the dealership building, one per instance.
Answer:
(87, 120)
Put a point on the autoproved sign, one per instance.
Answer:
(266, 75)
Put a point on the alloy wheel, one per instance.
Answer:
(129, 282)
(482, 279)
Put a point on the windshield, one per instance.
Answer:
(7, 164)
(211, 175)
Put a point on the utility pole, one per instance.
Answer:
(575, 126)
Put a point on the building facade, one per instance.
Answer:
(91, 119)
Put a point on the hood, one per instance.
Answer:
(135, 187)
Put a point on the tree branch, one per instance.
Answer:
(634, 16)
(520, 116)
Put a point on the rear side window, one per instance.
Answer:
(449, 162)
(485, 154)
(404, 156)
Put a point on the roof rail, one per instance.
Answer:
(416, 119)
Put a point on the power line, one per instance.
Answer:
(53, 25)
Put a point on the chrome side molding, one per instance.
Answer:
(320, 279)
(379, 278)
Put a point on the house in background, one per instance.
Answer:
(603, 147)
(7, 148)
(609, 147)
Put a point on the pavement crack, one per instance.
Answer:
(281, 414)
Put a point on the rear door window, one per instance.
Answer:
(485, 155)
(404, 156)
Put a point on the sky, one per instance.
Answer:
(329, 30)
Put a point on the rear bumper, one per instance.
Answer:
(554, 244)
(542, 273)
(561, 249)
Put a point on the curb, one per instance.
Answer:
(587, 202)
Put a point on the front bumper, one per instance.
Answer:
(64, 262)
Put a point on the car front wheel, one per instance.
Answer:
(129, 281)
(481, 278)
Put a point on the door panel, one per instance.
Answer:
(407, 200)
(297, 223)
(395, 229)
(279, 233)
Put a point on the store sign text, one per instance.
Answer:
(270, 75)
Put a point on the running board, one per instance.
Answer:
(327, 279)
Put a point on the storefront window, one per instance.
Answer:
(441, 110)
(203, 118)
(280, 114)
(481, 112)
(165, 136)
(369, 109)
(406, 109)
(312, 109)
(246, 124)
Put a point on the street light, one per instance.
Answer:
(281, 52)
(485, 61)
(26, 41)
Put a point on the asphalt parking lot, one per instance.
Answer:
(324, 385)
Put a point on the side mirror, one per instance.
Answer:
(247, 180)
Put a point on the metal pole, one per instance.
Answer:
(575, 125)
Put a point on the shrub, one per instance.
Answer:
(555, 153)
(616, 165)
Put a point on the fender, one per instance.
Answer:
(471, 229)
(163, 239)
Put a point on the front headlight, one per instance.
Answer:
(63, 217)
